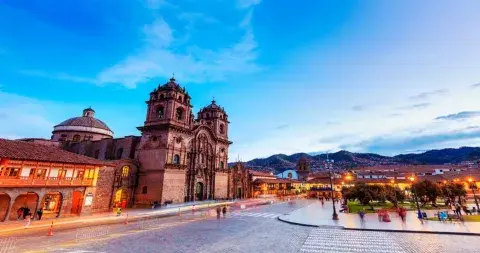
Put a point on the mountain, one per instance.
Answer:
(345, 159)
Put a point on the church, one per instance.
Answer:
(177, 158)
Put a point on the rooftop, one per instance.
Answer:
(30, 151)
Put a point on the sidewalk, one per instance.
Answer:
(108, 217)
(315, 215)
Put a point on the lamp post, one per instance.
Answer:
(473, 186)
(412, 179)
(394, 191)
(334, 215)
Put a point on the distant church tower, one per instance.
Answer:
(303, 168)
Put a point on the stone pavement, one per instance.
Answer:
(107, 217)
(317, 215)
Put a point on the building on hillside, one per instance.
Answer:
(290, 174)
(60, 182)
(177, 158)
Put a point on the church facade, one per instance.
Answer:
(177, 158)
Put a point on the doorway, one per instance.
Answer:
(199, 191)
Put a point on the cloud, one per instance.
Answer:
(475, 85)
(335, 138)
(58, 76)
(425, 95)
(159, 58)
(395, 145)
(358, 108)
(247, 3)
(156, 4)
(415, 106)
(282, 126)
(392, 115)
(460, 115)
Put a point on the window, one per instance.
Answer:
(80, 174)
(13, 172)
(176, 159)
(125, 171)
(41, 173)
(76, 138)
(222, 129)
(160, 112)
(144, 190)
(179, 113)
(119, 153)
(221, 164)
(162, 96)
(97, 154)
(180, 98)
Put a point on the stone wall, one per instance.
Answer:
(104, 190)
(174, 186)
(153, 180)
(221, 185)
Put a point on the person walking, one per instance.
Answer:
(219, 209)
(40, 213)
(458, 210)
(28, 218)
(26, 211)
(20, 213)
(224, 211)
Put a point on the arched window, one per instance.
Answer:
(160, 112)
(222, 129)
(179, 113)
(144, 190)
(180, 98)
(76, 138)
(221, 164)
(176, 159)
(125, 171)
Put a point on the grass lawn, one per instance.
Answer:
(355, 206)
(467, 218)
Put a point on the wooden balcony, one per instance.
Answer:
(43, 182)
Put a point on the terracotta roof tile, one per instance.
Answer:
(21, 150)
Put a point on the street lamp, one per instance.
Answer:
(394, 191)
(473, 186)
(334, 215)
(412, 179)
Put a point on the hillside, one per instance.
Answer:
(345, 159)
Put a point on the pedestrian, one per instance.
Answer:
(40, 213)
(362, 215)
(28, 218)
(322, 203)
(474, 210)
(119, 211)
(219, 209)
(155, 203)
(26, 211)
(224, 211)
(458, 210)
(20, 212)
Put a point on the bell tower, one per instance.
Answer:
(169, 104)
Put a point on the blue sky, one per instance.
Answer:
(303, 76)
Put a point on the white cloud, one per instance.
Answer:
(160, 57)
(58, 76)
(247, 3)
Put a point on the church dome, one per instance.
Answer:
(87, 123)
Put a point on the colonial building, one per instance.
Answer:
(177, 158)
(42, 176)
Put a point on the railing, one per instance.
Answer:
(46, 181)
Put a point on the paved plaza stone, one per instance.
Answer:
(316, 214)
(245, 231)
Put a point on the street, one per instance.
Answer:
(250, 230)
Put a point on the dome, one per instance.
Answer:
(213, 107)
(86, 123)
(172, 84)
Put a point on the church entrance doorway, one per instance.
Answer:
(121, 198)
(199, 191)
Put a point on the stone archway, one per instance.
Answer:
(27, 199)
(52, 204)
(4, 205)
(199, 190)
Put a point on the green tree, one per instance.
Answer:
(366, 194)
(454, 190)
(394, 194)
(427, 192)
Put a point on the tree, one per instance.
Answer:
(454, 190)
(366, 193)
(394, 195)
(427, 192)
